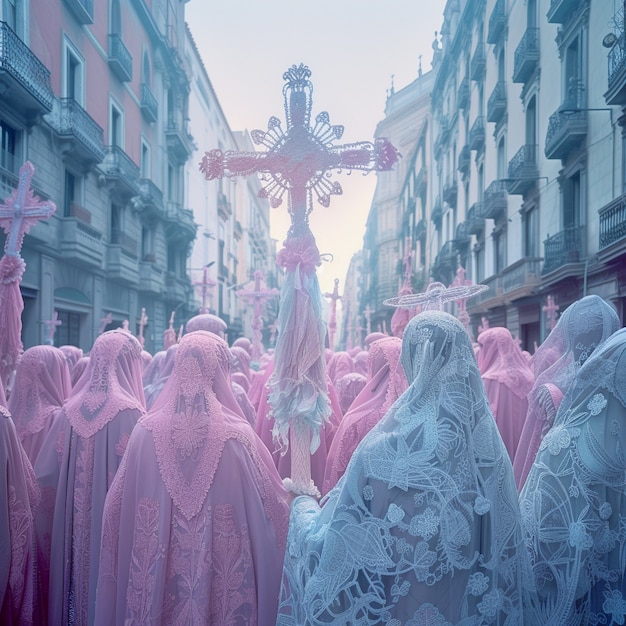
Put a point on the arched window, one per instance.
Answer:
(145, 70)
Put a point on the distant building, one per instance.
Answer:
(352, 321)
(233, 236)
(95, 95)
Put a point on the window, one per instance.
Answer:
(68, 333)
(499, 250)
(572, 201)
(145, 70)
(70, 193)
(145, 160)
(573, 75)
(116, 130)
(9, 13)
(116, 18)
(531, 122)
(501, 77)
(530, 232)
(116, 223)
(501, 163)
(8, 145)
(74, 74)
(147, 244)
(481, 184)
(479, 262)
(531, 13)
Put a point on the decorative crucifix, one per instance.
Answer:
(22, 210)
(551, 311)
(258, 296)
(298, 162)
(52, 327)
(104, 322)
(206, 288)
(332, 322)
(143, 321)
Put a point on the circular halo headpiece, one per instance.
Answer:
(435, 296)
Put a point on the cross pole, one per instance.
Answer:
(52, 327)
(551, 309)
(143, 321)
(22, 210)
(298, 162)
(257, 296)
(332, 322)
(206, 288)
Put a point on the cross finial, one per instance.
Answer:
(332, 322)
(22, 210)
(52, 327)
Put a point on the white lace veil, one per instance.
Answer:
(574, 499)
(424, 526)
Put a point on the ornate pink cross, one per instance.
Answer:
(298, 162)
(52, 326)
(104, 322)
(257, 296)
(551, 309)
(206, 288)
(143, 321)
(22, 210)
(332, 322)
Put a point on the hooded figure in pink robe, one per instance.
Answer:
(243, 342)
(209, 322)
(72, 355)
(348, 388)
(75, 469)
(19, 496)
(77, 371)
(240, 361)
(195, 522)
(584, 326)
(159, 377)
(386, 383)
(42, 384)
(507, 379)
(339, 365)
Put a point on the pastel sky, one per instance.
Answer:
(353, 47)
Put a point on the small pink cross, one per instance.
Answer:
(52, 327)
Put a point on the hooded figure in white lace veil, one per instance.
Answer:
(424, 526)
(574, 500)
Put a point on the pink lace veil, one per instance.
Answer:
(348, 388)
(164, 369)
(241, 379)
(146, 358)
(501, 359)
(111, 383)
(241, 360)
(361, 359)
(42, 384)
(152, 373)
(77, 371)
(582, 328)
(386, 383)
(72, 354)
(243, 342)
(372, 337)
(339, 365)
(207, 321)
(193, 418)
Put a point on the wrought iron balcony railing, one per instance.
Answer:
(497, 22)
(567, 127)
(496, 105)
(76, 124)
(478, 62)
(446, 262)
(463, 94)
(421, 181)
(465, 158)
(450, 189)
(179, 141)
(562, 248)
(523, 170)
(613, 222)
(477, 134)
(437, 212)
(420, 229)
(149, 104)
(616, 93)
(120, 60)
(526, 56)
(26, 73)
(118, 166)
(495, 201)
(476, 218)
(521, 275)
(151, 196)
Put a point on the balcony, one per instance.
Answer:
(437, 213)
(81, 136)
(176, 288)
(496, 105)
(24, 79)
(151, 198)
(497, 22)
(224, 208)
(450, 189)
(476, 218)
(567, 128)
(563, 248)
(121, 266)
(560, 10)
(180, 222)
(151, 278)
(79, 243)
(121, 170)
(237, 230)
(446, 263)
(478, 62)
(526, 56)
(612, 229)
(495, 201)
(149, 104)
(421, 181)
(82, 10)
(120, 61)
(420, 229)
(616, 93)
(179, 141)
(125, 241)
(488, 299)
(477, 134)
(463, 94)
(520, 279)
(523, 170)
(464, 162)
